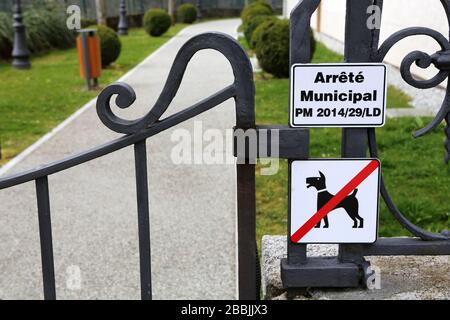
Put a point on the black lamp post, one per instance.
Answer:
(20, 53)
(123, 24)
(199, 10)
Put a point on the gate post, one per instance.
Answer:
(299, 271)
(349, 268)
(360, 44)
(300, 52)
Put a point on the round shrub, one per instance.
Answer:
(272, 47)
(109, 43)
(254, 23)
(254, 4)
(186, 13)
(263, 3)
(254, 9)
(156, 22)
(271, 43)
(260, 30)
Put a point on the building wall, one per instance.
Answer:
(397, 14)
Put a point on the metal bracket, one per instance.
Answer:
(323, 272)
(441, 60)
(271, 142)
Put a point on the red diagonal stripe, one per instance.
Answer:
(331, 205)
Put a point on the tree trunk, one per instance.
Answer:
(101, 11)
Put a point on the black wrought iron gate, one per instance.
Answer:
(136, 133)
(297, 271)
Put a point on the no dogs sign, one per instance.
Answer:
(334, 200)
(338, 95)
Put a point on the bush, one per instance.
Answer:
(261, 2)
(260, 30)
(156, 22)
(272, 47)
(254, 23)
(5, 35)
(186, 13)
(46, 29)
(109, 43)
(258, 8)
(271, 43)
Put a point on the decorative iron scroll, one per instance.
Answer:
(441, 60)
(243, 86)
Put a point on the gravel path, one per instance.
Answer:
(94, 215)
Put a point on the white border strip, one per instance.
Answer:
(21, 156)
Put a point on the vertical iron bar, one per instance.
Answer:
(140, 154)
(45, 235)
(360, 41)
(300, 52)
(247, 255)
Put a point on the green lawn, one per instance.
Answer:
(395, 98)
(35, 101)
(414, 170)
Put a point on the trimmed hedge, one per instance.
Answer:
(271, 42)
(252, 25)
(258, 8)
(261, 2)
(110, 44)
(45, 29)
(260, 30)
(156, 22)
(186, 13)
(272, 47)
(45, 26)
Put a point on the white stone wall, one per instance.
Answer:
(397, 14)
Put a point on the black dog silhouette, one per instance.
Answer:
(349, 204)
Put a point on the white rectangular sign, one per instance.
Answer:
(334, 200)
(338, 95)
